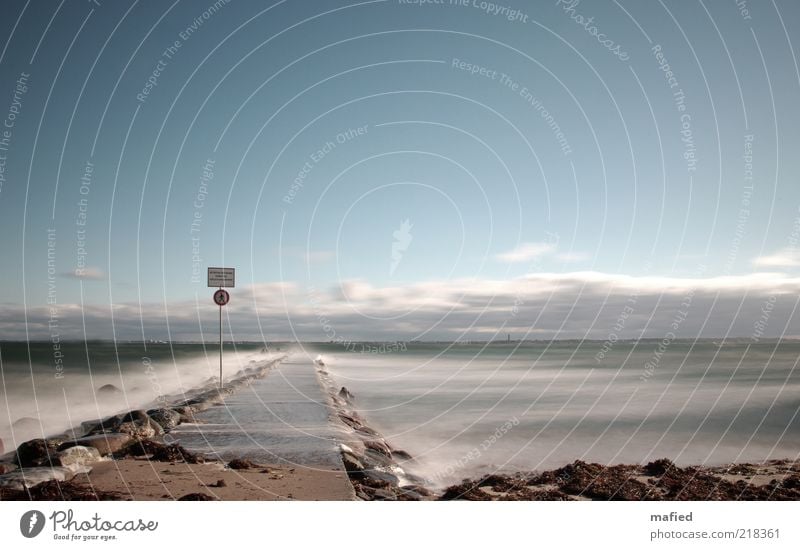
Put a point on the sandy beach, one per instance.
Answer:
(141, 479)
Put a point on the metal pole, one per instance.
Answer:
(220, 346)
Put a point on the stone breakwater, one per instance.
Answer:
(40, 468)
(377, 470)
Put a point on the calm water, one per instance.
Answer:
(468, 408)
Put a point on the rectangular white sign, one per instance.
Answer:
(222, 277)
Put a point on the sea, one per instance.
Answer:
(461, 409)
(465, 409)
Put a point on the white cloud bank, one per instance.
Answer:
(786, 257)
(543, 305)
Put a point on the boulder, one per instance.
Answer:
(380, 475)
(77, 456)
(194, 405)
(659, 467)
(346, 396)
(71, 433)
(166, 418)
(135, 423)
(105, 444)
(108, 424)
(241, 464)
(383, 494)
(35, 452)
(372, 459)
(140, 430)
(378, 446)
(175, 453)
(366, 430)
(352, 463)
(351, 420)
(398, 454)
(88, 425)
(134, 416)
(416, 492)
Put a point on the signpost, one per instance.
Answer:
(221, 277)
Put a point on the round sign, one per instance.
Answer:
(221, 297)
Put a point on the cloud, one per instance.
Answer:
(87, 274)
(577, 305)
(786, 257)
(525, 252)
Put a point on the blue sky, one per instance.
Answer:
(512, 145)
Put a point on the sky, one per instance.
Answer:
(395, 169)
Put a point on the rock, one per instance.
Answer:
(175, 453)
(418, 490)
(106, 425)
(401, 455)
(35, 452)
(77, 456)
(195, 406)
(351, 420)
(137, 415)
(659, 467)
(378, 446)
(351, 462)
(345, 394)
(190, 419)
(20, 480)
(218, 483)
(241, 464)
(160, 452)
(6, 467)
(383, 494)
(197, 496)
(464, 491)
(135, 423)
(70, 434)
(166, 418)
(141, 429)
(105, 444)
(366, 430)
(372, 459)
(109, 390)
(380, 475)
(87, 426)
